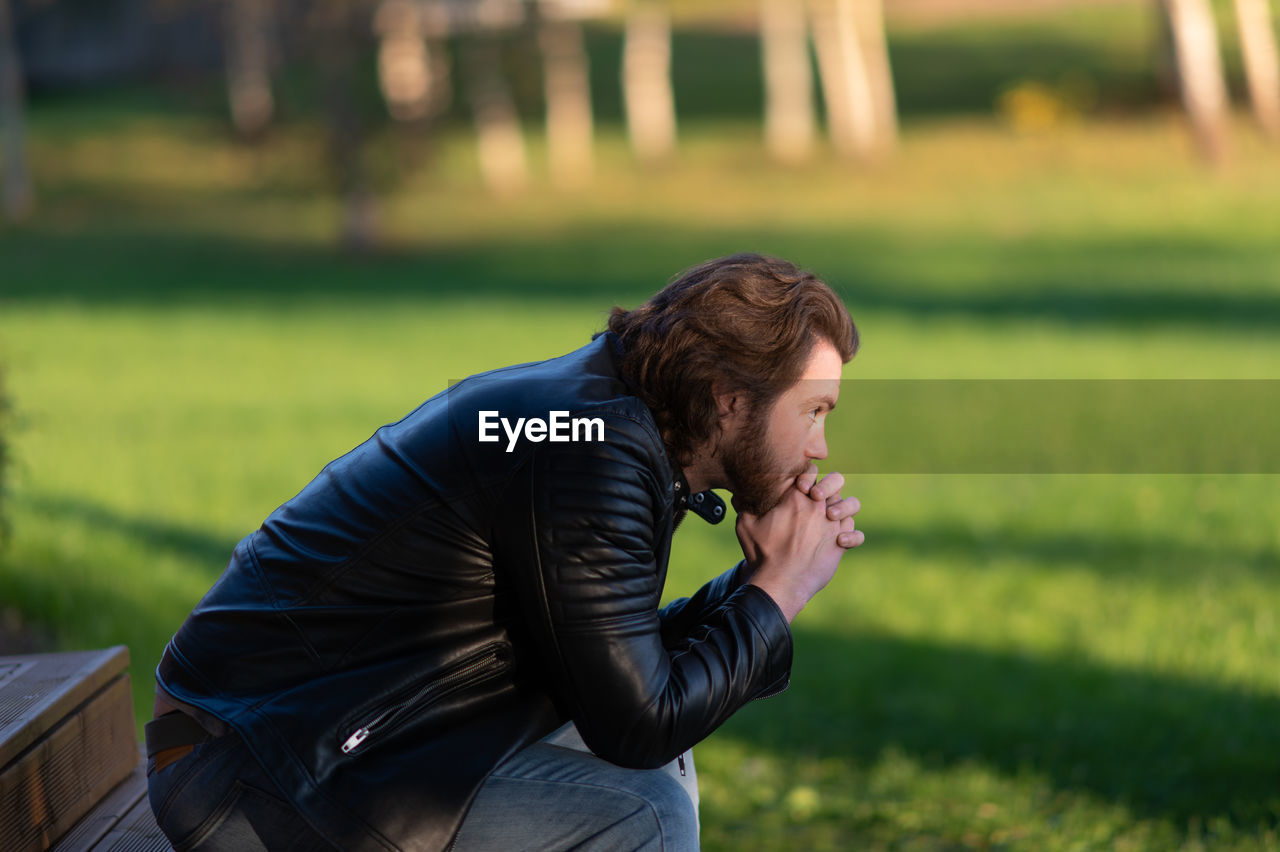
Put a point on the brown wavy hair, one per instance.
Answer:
(741, 324)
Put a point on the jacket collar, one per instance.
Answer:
(705, 504)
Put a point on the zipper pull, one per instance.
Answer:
(363, 734)
(680, 759)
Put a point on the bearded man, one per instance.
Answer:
(452, 636)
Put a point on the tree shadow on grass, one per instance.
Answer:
(1119, 554)
(1077, 280)
(1166, 747)
(80, 605)
(1162, 746)
(189, 543)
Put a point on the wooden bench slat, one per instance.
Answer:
(69, 740)
(107, 814)
(135, 832)
(37, 691)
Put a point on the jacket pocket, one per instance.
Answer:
(489, 662)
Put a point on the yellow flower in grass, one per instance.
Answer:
(801, 803)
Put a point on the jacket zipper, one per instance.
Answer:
(427, 694)
(775, 692)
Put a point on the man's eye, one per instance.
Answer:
(813, 414)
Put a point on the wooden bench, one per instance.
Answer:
(71, 774)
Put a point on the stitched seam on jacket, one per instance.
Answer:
(326, 581)
(276, 605)
(650, 484)
(260, 574)
(595, 624)
(311, 782)
(541, 584)
(756, 624)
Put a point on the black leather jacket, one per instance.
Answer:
(430, 603)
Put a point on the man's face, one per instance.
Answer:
(771, 447)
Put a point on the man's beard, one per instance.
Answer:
(756, 477)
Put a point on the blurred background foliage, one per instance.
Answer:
(198, 311)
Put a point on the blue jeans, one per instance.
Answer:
(557, 795)
(552, 795)
(218, 798)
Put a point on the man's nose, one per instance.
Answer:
(817, 449)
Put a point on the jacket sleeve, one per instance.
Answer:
(580, 549)
(683, 614)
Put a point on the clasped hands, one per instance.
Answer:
(793, 550)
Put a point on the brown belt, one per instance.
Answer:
(172, 737)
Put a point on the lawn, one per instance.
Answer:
(1014, 661)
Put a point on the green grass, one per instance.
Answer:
(1011, 662)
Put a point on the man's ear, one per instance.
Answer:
(728, 405)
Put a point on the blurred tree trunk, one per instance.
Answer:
(568, 94)
(845, 84)
(1166, 54)
(502, 157)
(413, 78)
(1204, 91)
(341, 27)
(1258, 46)
(646, 80)
(788, 80)
(875, 51)
(15, 181)
(248, 50)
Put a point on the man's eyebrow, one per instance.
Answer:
(830, 403)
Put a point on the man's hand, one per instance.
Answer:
(794, 549)
(838, 509)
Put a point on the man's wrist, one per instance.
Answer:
(782, 595)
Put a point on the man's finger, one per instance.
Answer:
(805, 480)
(846, 508)
(830, 484)
(850, 539)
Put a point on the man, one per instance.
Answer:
(379, 664)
